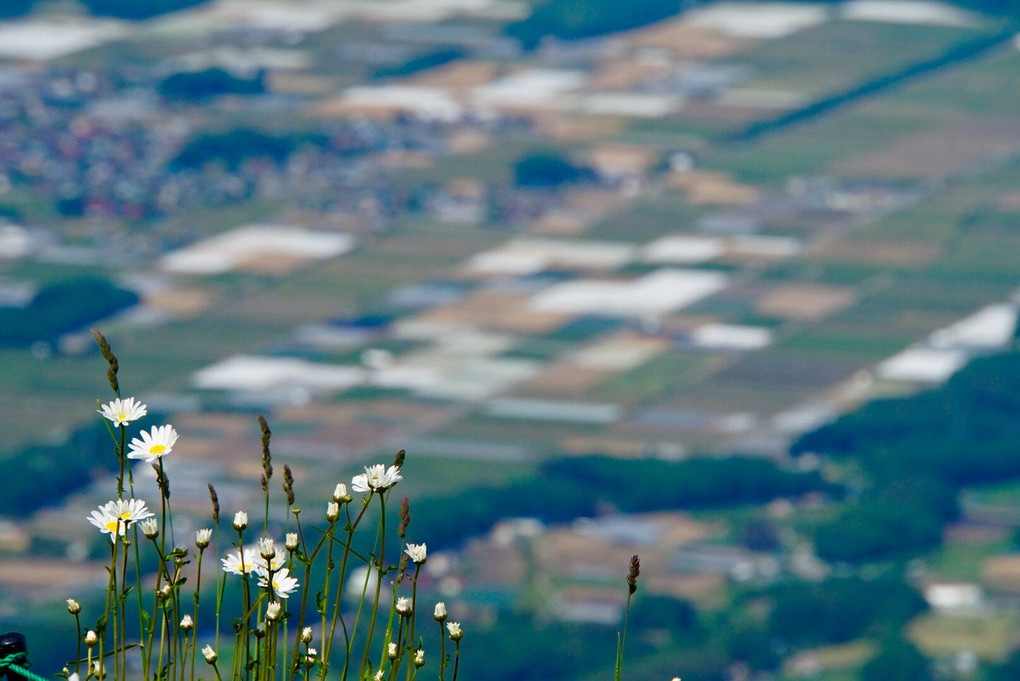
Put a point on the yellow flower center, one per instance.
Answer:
(112, 526)
(157, 449)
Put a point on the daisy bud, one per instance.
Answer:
(439, 614)
(291, 541)
(332, 511)
(273, 611)
(391, 650)
(404, 606)
(209, 654)
(202, 537)
(455, 632)
(91, 638)
(419, 658)
(187, 624)
(378, 676)
(240, 521)
(306, 635)
(165, 592)
(417, 552)
(267, 548)
(73, 606)
(150, 528)
(98, 670)
(340, 494)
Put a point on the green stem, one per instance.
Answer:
(379, 571)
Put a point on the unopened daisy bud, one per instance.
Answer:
(73, 606)
(291, 541)
(267, 548)
(391, 650)
(439, 614)
(150, 528)
(98, 670)
(202, 537)
(403, 606)
(455, 631)
(676, 678)
(209, 654)
(306, 635)
(240, 521)
(165, 592)
(417, 552)
(273, 611)
(332, 511)
(419, 658)
(340, 494)
(187, 624)
(91, 638)
(378, 676)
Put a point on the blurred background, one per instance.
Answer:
(731, 285)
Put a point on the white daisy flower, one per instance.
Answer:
(263, 566)
(238, 563)
(130, 510)
(274, 611)
(150, 528)
(283, 584)
(417, 553)
(123, 411)
(154, 444)
(113, 517)
(376, 478)
(202, 537)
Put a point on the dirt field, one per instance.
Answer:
(1002, 573)
(939, 152)
(885, 254)
(685, 41)
(28, 573)
(497, 311)
(804, 301)
(705, 188)
(458, 75)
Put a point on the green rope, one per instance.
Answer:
(14, 661)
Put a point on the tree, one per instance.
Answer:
(548, 169)
(572, 20)
(898, 660)
(136, 9)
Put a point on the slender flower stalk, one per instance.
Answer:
(621, 639)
